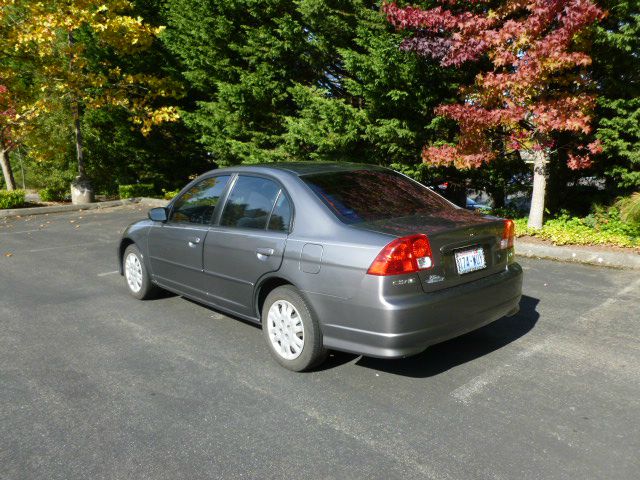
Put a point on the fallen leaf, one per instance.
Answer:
(8, 254)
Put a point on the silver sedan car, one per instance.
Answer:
(325, 256)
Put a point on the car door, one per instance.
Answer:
(247, 242)
(176, 246)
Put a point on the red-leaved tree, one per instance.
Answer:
(536, 86)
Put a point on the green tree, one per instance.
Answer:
(616, 66)
(376, 103)
(308, 79)
(241, 57)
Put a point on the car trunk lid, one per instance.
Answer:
(455, 232)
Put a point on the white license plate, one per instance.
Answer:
(470, 260)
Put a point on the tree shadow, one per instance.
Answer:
(457, 351)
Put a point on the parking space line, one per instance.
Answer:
(467, 391)
(22, 231)
(87, 244)
(108, 273)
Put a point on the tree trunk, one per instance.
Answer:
(82, 174)
(7, 172)
(536, 213)
(81, 189)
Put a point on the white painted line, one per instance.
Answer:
(108, 273)
(22, 231)
(476, 385)
(88, 244)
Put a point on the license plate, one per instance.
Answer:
(470, 260)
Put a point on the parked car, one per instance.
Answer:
(454, 191)
(327, 256)
(473, 205)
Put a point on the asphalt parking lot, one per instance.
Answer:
(95, 384)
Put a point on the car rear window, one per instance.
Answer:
(357, 196)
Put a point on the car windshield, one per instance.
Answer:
(358, 196)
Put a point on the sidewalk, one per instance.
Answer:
(23, 212)
(601, 256)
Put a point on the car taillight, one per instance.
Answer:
(508, 234)
(403, 255)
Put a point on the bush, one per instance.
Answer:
(136, 190)
(51, 194)
(630, 208)
(13, 199)
(603, 227)
(507, 212)
(169, 194)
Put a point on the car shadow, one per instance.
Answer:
(444, 356)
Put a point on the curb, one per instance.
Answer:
(23, 212)
(153, 202)
(577, 254)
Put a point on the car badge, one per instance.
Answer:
(435, 279)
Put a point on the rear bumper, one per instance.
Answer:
(407, 325)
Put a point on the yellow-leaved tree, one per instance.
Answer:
(73, 54)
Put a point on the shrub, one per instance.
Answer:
(630, 208)
(51, 194)
(136, 190)
(506, 212)
(13, 199)
(603, 227)
(169, 194)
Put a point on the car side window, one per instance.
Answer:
(198, 203)
(280, 220)
(250, 203)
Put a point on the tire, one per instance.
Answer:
(139, 285)
(291, 331)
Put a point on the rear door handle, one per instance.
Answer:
(264, 252)
(194, 241)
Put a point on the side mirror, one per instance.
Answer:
(158, 214)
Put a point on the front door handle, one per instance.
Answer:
(264, 252)
(194, 241)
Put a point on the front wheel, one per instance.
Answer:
(136, 274)
(292, 333)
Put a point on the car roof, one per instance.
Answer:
(304, 168)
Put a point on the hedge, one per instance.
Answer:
(13, 199)
(50, 194)
(136, 190)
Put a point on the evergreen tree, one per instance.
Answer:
(241, 56)
(380, 108)
(308, 79)
(616, 63)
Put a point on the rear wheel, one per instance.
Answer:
(136, 274)
(292, 333)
